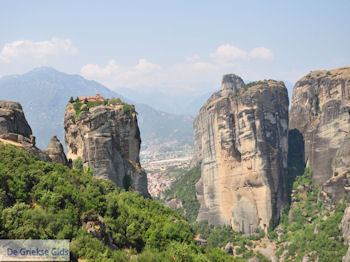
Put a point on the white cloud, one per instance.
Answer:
(230, 53)
(145, 66)
(188, 75)
(95, 71)
(24, 49)
(113, 74)
(261, 53)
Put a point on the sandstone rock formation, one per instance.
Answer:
(15, 130)
(241, 143)
(320, 110)
(107, 139)
(12, 119)
(55, 151)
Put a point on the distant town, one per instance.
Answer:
(164, 168)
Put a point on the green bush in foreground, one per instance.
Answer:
(41, 200)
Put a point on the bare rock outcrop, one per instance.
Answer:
(12, 119)
(320, 110)
(107, 139)
(55, 151)
(241, 143)
(15, 130)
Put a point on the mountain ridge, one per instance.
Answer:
(44, 92)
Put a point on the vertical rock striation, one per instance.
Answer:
(320, 110)
(107, 139)
(241, 143)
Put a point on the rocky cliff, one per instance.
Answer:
(241, 143)
(107, 138)
(15, 130)
(12, 119)
(320, 110)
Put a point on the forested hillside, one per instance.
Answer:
(41, 200)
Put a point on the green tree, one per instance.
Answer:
(78, 163)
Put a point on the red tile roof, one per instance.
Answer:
(95, 98)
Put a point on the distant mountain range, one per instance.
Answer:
(44, 93)
(185, 103)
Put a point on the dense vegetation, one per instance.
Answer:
(85, 105)
(219, 236)
(185, 191)
(41, 200)
(309, 227)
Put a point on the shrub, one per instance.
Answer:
(127, 109)
(78, 163)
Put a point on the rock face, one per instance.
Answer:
(55, 151)
(107, 139)
(320, 110)
(15, 130)
(12, 119)
(241, 143)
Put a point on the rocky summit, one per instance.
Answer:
(241, 143)
(15, 130)
(107, 138)
(12, 119)
(56, 152)
(320, 110)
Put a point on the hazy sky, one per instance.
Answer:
(174, 46)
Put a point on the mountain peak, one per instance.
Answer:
(231, 81)
(44, 69)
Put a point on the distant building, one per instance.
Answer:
(95, 98)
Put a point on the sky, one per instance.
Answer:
(174, 47)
